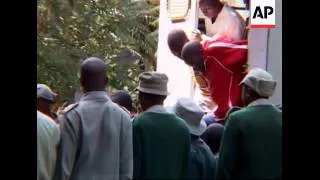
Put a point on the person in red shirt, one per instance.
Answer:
(224, 65)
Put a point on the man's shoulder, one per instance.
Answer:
(252, 110)
(251, 113)
(140, 118)
(70, 107)
(232, 14)
(147, 116)
(46, 125)
(158, 115)
(122, 112)
(75, 108)
(223, 42)
(44, 119)
(237, 116)
(200, 148)
(241, 113)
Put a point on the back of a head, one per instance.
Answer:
(176, 40)
(93, 74)
(212, 136)
(123, 99)
(210, 2)
(191, 49)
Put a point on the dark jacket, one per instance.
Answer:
(161, 146)
(251, 146)
(202, 163)
(56, 118)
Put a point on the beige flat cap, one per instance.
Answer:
(260, 81)
(153, 83)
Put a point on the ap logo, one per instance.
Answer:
(262, 14)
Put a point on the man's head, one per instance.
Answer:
(176, 40)
(46, 98)
(192, 55)
(257, 84)
(212, 136)
(211, 8)
(152, 89)
(93, 75)
(123, 99)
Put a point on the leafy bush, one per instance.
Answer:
(70, 31)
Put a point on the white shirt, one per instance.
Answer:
(228, 24)
(48, 137)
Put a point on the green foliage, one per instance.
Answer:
(70, 31)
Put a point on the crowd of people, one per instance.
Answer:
(235, 134)
(97, 138)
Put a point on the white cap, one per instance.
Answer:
(192, 114)
(260, 81)
(43, 91)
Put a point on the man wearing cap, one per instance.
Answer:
(48, 137)
(251, 146)
(96, 134)
(202, 163)
(46, 98)
(161, 140)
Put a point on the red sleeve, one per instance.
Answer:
(231, 54)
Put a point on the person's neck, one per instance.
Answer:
(151, 105)
(200, 67)
(46, 112)
(93, 89)
(220, 7)
(255, 99)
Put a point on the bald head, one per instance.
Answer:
(176, 40)
(209, 2)
(192, 55)
(93, 74)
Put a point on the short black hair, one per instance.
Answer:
(176, 40)
(209, 2)
(213, 136)
(123, 99)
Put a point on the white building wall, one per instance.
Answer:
(275, 53)
(180, 75)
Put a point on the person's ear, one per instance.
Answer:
(56, 98)
(106, 80)
(81, 81)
